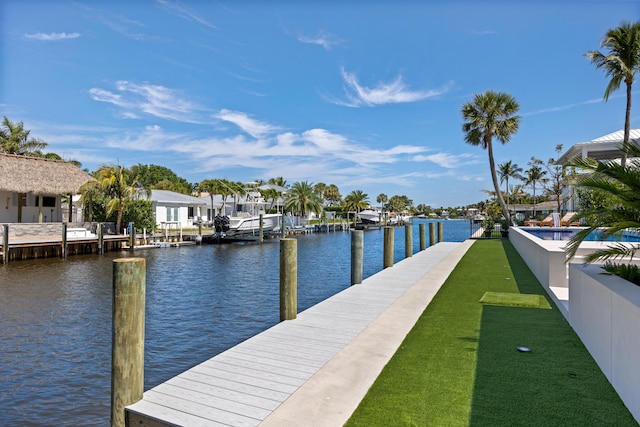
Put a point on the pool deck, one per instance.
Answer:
(313, 370)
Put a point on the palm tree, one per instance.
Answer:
(535, 174)
(332, 194)
(117, 184)
(211, 186)
(320, 188)
(279, 181)
(622, 184)
(89, 193)
(279, 192)
(621, 63)
(509, 170)
(14, 139)
(382, 199)
(303, 199)
(355, 201)
(491, 114)
(223, 187)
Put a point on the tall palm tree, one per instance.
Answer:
(279, 181)
(621, 63)
(491, 114)
(509, 170)
(622, 184)
(303, 199)
(355, 201)
(535, 175)
(14, 139)
(320, 188)
(382, 199)
(332, 194)
(89, 193)
(211, 186)
(118, 185)
(282, 183)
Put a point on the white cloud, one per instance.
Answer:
(52, 36)
(446, 160)
(152, 138)
(251, 126)
(186, 13)
(383, 93)
(155, 100)
(323, 38)
(566, 107)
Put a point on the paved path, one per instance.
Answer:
(310, 371)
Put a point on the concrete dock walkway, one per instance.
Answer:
(313, 370)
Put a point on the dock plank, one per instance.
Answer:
(260, 380)
(219, 392)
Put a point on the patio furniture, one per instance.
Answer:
(535, 223)
(566, 220)
(552, 220)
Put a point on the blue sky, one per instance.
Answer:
(364, 95)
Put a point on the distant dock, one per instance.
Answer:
(24, 241)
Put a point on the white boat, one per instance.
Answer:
(245, 225)
(477, 218)
(370, 216)
(399, 219)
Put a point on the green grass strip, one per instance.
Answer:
(512, 299)
(459, 365)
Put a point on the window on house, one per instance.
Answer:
(49, 202)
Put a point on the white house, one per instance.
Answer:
(603, 148)
(606, 147)
(177, 209)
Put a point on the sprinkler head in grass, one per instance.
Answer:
(524, 349)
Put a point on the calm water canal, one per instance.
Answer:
(55, 315)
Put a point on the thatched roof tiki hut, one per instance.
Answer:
(31, 188)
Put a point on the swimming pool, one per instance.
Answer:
(567, 233)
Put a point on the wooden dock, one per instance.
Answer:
(313, 370)
(34, 247)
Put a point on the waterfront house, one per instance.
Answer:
(176, 209)
(31, 188)
(606, 147)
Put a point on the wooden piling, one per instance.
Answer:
(408, 241)
(127, 345)
(261, 233)
(423, 236)
(357, 253)
(283, 228)
(432, 234)
(100, 232)
(388, 247)
(288, 279)
(64, 240)
(132, 236)
(440, 231)
(5, 244)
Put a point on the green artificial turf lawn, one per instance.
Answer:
(512, 299)
(460, 364)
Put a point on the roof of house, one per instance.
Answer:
(171, 197)
(40, 176)
(602, 148)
